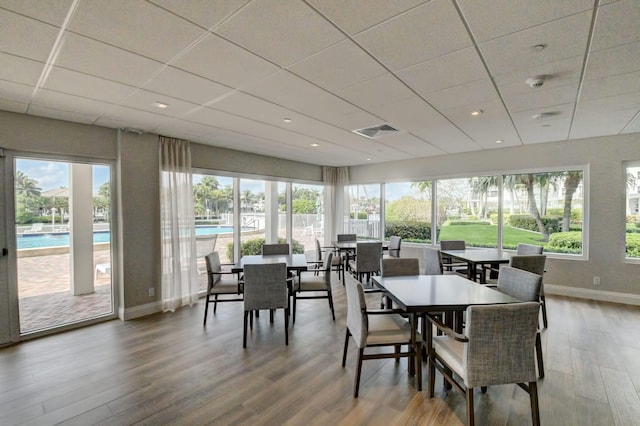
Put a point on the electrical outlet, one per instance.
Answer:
(596, 280)
(152, 291)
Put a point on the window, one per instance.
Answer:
(632, 204)
(307, 216)
(467, 211)
(544, 209)
(364, 210)
(407, 211)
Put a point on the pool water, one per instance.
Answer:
(61, 239)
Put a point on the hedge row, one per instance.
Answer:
(633, 245)
(409, 230)
(254, 246)
(469, 222)
(551, 224)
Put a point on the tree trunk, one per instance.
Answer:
(571, 183)
(533, 208)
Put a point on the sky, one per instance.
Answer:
(55, 174)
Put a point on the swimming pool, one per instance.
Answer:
(61, 239)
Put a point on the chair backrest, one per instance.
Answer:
(518, 283)
(501, 344)
(265, 286)
(394, 245)
(432, 259)
(347, 237)
(275, 248)
(212, 261)
(205, 244)
(453, 245)
(357, 321)
(532, 263)
(396, 267)
(368, 256)
(528, 249)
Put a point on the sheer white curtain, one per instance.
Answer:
(335, 180)
(179, 269)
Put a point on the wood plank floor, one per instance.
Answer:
(168, 369)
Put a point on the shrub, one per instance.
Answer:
(409, 230)
(633, 245)
(552, 224)
(565, 242)
(633, 218)
(576, 214)
(470, 222)
(361, 215)
(254, 246)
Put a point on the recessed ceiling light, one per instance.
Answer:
(476, 112)
(314, 144)
(287, 120)
(368, 159)
(539, 47)
(499, 141)
(162, 105)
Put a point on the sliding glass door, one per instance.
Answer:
(63, 243)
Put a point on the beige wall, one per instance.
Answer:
(603, 156)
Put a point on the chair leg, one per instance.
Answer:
(535, 409)
(539, 355)
(396, 350)
(206, 309)
(271, 316)
(330, 297)
(544, 311)
(432, 375)
(358, 373)
(251, 318)
(295, 303)
(346, 345)
(215, 303)
(470, 416)
(244, 329)
(286, 326)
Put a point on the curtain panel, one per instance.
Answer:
(179, 268)
(335, 179)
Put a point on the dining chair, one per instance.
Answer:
(345, 254)
(282, 248)
(528, 249)
(536, 264)
(395, 267)
(524, 286)
(265, 287)
(447, 261)
(377, 328)
(394, 247)
(316, 286)
(220, 283)
(488, 353)
(367, 261)
(346, 237)
(205, 244)
(336, 263)
(432, 259)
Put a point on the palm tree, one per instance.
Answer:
(528, 180)
(571, 181)
(26, 186)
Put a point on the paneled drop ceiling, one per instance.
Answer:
(294, 78)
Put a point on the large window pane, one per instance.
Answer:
(633, 210)
(407, 211)
(544, 209)
(364, 211)
(466, 208)
(252, 216)
(308, 216)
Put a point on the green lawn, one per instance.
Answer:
(487, 235)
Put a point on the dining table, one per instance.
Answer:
(479, 260)
(418, 295)
(294, 262)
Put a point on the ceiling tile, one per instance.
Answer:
(410, 144)
(20, 93)
(92, 57)
(356, 15)
(12, 105)
(137, 26)
(378, 91)
(339, 66)
(216, 59)
(20, 70)
(492, 125)
(515, 15)
(69, 103)
(88, 86)
(77, 117)
(542, 99)
(426, 32)
(207, 13)
(147, 101)
(471, 95)
(566, 72)
(26, 37)
(617, 60)
(445, 71)
(186, 86)
(611, 86)
(51, 12)
(617, 24)
(264, 26)
(565, 38)
(129, 117)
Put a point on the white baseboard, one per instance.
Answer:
(139, 311)
(587, 293)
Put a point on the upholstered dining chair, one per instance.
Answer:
(367, 261)
(525, 286)
(533, 263)
(394, 247)
(220, 283)
(275, 249)
(398, 266)
(528, 249)
(336, 262)
(344, 255)
(377, 328)
(310, 286)
(432, 259)
(265, 287)
(447, 261)
(488, 353)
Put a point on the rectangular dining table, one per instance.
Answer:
(295, 262)
(479, 258)
(418, 295)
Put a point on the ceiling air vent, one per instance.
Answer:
(377, 131)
